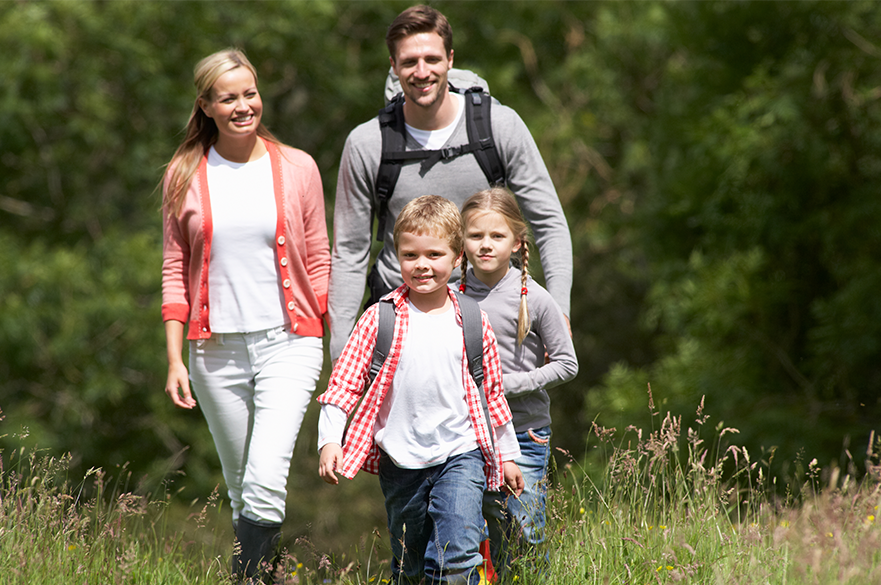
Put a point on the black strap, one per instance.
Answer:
(384, 333)
(472, 325)
(391, 125)
(480, 135)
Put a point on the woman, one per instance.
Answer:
(245, 265)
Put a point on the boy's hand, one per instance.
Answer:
(514, 483)
(332, 455)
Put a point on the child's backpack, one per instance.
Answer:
(472, 326)
(480, 138)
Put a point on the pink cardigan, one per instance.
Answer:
(302, 248)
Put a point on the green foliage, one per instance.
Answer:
(757, 225)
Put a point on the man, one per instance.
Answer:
(420, 51)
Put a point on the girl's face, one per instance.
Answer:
(234, 104)
(489, 243)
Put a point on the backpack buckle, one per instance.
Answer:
(450, 152)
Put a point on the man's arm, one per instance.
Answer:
(529, 180)
(352, 234)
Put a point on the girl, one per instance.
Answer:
(245, 264)
(528, 324)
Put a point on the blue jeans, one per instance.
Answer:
(434, 519)
(514, 522)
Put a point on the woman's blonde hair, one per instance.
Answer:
(201, 131)
(501, 201)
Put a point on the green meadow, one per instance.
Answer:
(678, 503)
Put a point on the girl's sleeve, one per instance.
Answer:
(551, 327)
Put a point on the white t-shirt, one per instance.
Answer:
(435, 139)
(424, 418)
(243, 282)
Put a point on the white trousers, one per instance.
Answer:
(254, 389)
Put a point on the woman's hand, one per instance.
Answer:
(177, 386)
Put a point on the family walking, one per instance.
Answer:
(461, 448)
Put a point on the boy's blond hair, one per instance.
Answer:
(432, 215)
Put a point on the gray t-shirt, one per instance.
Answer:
(456, 179)
(525, 375)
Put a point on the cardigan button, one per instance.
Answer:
(291, 306)
(281, 240)
(295, 327)
(286, 283)
(284, 261)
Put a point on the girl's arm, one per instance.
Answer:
(551, 326)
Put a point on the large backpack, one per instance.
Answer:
(472, 326)
(394, 136)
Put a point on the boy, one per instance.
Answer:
(420, 425)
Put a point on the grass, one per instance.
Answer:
(677, 503)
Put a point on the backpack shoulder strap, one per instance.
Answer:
(480, 135)
(472, 326)
(384, 333)
(391, 125)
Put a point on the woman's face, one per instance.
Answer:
(234, 104)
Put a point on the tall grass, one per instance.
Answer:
(680, 502)
(670, 506)
(55, 531)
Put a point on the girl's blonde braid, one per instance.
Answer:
(523, 322)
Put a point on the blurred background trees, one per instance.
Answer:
(718, 163)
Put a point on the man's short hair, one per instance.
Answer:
(432, 215)
(415, 20)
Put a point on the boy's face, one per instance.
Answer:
(427, 263)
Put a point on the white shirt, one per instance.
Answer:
(424, 418)
(435, 139)
(245, 293)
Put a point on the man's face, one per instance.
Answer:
(422, 65)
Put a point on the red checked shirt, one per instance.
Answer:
(348, 380)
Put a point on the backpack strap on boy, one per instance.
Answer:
(472, 327)
(384, 333)
(478, 122)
